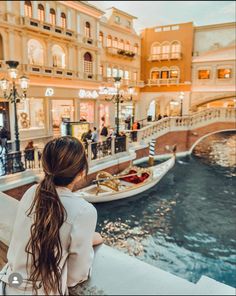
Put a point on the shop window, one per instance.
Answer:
(104, 114)
(28, 8)
(101, 37)
(88, 65)
(63, 20)
(164, 74)
(108, 72)
(121, 73)
(155, 75)
(35, 52)
(204, 74)
(127, 46)
(41, 14)
(87, 30)
(121, 44)
(114, 72)
(31, 113)
(224, 73)
(174, 74)
(87, 111)
(109, 41)
(52, 17)
(58, 56)
(61, 110)
(1, 48)
(115, 43)
(126, 76)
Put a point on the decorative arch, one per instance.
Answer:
(58, 56)
(87, 29)
(1, 48)
(175, 49)
(109, 41)
(156, 48)
(121, 44)
(41, 13)
(115, 42)
(165, 49)
(155, 73)
(52, 16)
(63, 20)
(174, 72)
(127, 45)
(35, 52)
(28, 8)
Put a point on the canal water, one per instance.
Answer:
(186, 224)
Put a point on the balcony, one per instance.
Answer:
(165, 56)
(162, 81)
(120, 52)
(47, 28)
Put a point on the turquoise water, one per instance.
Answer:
(186, 224)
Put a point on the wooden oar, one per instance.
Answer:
(114, 177)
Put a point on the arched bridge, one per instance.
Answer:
(187, 131)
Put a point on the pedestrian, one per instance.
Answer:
(4, 136)
(128, 122)
(94, 142)
(29, 154)
(54, 232)
(159, 117)
(104, 133)
(134, 132)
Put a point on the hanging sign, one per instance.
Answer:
(49, 92)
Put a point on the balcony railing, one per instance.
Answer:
(128, 54)
(165, 56)
(162, 81)
(46, 27)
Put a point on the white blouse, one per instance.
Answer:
(76, 236)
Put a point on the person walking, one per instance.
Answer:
(104, 133)
(54, 231)
(4, 136)
(94, 142)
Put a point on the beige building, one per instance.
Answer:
(60, 48)
(213, 66)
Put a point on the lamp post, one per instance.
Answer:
(181, 97)
(118, 98)
(12, 95)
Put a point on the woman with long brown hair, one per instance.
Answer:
(54, 231)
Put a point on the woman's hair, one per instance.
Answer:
(62, 160)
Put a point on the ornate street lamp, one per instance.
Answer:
(119, 98)
(181, 98)
(12, 95)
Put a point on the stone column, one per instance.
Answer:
(78, 27)
(35, 9)
(24, 57)
(68, 19)
(22, 8)
(47, 12)
(9, 6)
(11, 45)
(58, 17)
(113, 138)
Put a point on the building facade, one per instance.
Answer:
(166, 70)
(213, 66)
(59, 47)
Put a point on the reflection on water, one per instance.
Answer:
(186, 223)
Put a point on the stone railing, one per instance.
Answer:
(162, 81)
(165, 56)
(179, 123)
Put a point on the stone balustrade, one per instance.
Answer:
(180, 123)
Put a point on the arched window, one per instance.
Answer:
(35, 52)
(1, 48)
(28, 8)
(156, 49)
(175, 50)
(101, 70)
(114, 72)
(165, 72)
(88, 63)
(87, 30)
(58, 56)
(126, 76)
(165, 49)
(101, 37)
(109, 41)
(155, 74)
(136, 48)
(121, 44)
(63, 20)
(115, 43)
(174, 72)
(52, 16)
(41, 14)
(121, 73)
(108, 72)
(127, 45)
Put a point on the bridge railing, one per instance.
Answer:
(178, 123)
